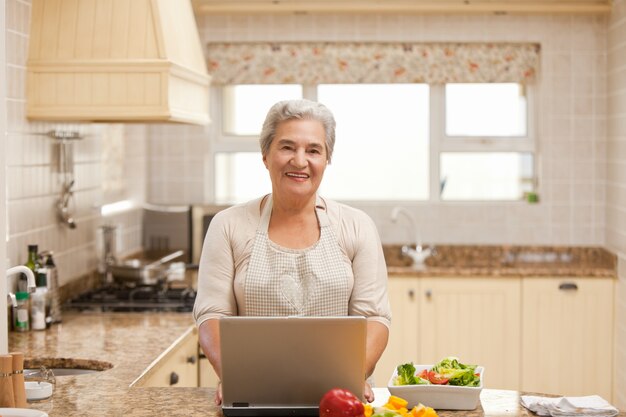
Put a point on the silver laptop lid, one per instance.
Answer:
(279, 362)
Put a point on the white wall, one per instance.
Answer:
(616, 183)
(572, 121)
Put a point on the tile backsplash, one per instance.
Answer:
(34, 183)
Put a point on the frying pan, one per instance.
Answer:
(142, 272)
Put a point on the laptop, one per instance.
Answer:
(282, 366)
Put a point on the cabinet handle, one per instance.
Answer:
(428, 293)
(411, 294)
(192, 360)
(173, 378)
(565, 286)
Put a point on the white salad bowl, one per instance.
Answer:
(441, 397)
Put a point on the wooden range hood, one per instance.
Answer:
(116, 61)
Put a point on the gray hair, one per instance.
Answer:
(298, 109)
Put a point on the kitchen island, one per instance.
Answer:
(131, 342)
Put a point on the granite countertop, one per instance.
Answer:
(131, 342)
(505, 261)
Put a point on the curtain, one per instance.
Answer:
(341, 62)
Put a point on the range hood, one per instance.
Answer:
(116, 61)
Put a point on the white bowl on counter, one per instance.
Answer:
(38, 390)
(440, 397)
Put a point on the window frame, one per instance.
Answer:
(439, 142)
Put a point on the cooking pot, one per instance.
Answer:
(143, 272)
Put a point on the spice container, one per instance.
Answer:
(38, 309)
(19, 388)
(6, 381)
(22, 323)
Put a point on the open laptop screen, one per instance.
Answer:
(284, 365)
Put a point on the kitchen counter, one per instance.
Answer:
(505, 261)
(131, 342)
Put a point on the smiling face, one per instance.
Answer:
(296, 159)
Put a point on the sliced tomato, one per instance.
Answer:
(437, 378)
(423, 374)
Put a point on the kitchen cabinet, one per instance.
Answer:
(403, 336)
(475, 319)
(177, 366)
(567, 345)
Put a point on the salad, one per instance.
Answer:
(448, 371)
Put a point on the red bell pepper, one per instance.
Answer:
(340, 402)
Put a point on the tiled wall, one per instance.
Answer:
(571, 101)
(3, 246)
(34, 183)
(178, 163)
(616, 183)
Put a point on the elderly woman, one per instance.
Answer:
(254, 252)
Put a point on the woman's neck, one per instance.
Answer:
(293, 226)
(291, 207)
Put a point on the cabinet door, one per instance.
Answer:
(179, 367)
(403, 339)
(567, 336)
(476, 320)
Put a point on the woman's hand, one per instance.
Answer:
(368, 393)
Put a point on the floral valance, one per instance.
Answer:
(337, 63)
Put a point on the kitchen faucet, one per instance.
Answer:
(30, 277)
(419, 254)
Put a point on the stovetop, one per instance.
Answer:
(122, 298)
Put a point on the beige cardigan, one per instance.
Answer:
(228, 246)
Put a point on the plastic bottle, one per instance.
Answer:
(32, 264)
(22, 323)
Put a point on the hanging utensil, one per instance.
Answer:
(67, 195)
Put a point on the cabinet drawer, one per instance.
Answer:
(178, 367)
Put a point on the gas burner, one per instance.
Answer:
(122, 298)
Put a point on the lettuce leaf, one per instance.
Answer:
(457, 373)
(406, 376)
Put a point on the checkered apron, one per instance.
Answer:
(291, 282)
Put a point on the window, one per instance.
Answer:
(485, 175)
(485, 142)
(402, 142)
(381, 152)
(485, 110)
(247, 105)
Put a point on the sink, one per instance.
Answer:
(65, 366)
(62, 371)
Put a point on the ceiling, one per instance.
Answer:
(402, 6)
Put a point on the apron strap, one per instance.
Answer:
(266, 214)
